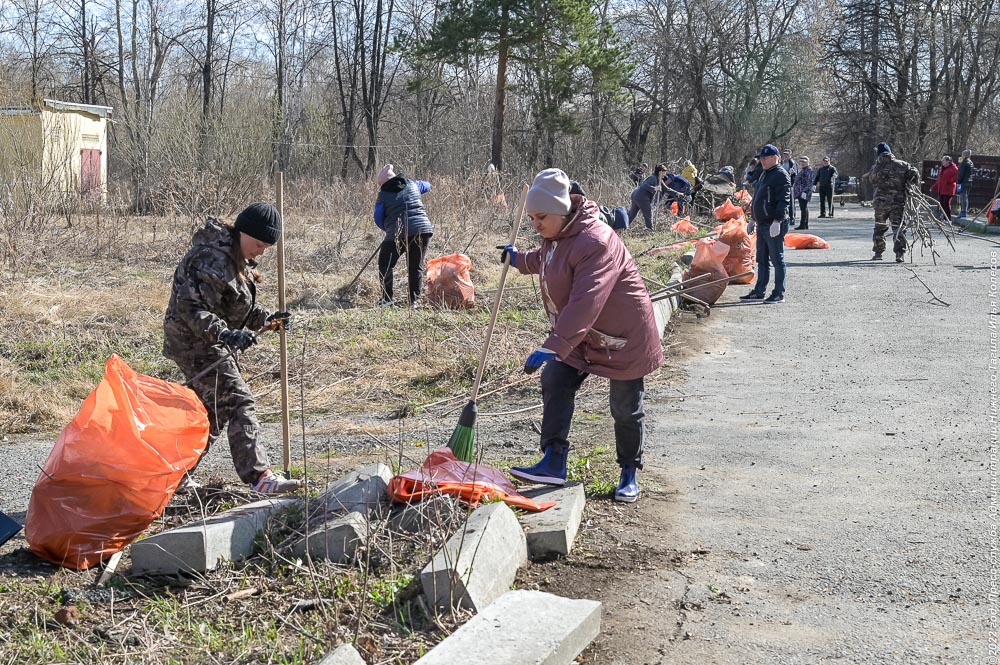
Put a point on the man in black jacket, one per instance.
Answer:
(826, 177)
(770, 211)
(965, 167)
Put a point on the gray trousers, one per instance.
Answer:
(230, 405)
(560, 382)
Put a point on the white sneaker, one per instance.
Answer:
(271, 483)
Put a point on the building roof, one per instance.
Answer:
(100, 111)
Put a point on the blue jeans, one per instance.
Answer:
(770, 251)
(963, 197)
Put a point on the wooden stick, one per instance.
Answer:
(286, 450)
(683, 291)
(497, 298)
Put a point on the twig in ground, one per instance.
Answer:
(934, 297)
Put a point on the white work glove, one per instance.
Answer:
(775, 229)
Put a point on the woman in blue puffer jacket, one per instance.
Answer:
(400, 212)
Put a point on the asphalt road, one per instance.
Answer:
(832, 466)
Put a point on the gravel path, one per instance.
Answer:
(832, 467)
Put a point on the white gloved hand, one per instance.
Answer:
(775, 229)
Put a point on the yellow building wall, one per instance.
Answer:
(64, 135)
(21, 149)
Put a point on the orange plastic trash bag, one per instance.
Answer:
(443, 473)
(684, 225)
(805, 241)
(743, 198)
(449, 284)
(742, 250)
(115, 467)
(708, 257)
(673, 208)
(993, 213)
(728, 211)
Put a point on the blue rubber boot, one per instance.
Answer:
(628, 488)
(551, 470)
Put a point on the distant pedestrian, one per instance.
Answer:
(946, 185)
(825, 179)
(752, 174)
(638, 174)
(965, 167)
(601, 323)
(792, 168)
(645, 194)
(770, 212)
(890, 179)
(689, 172)
(802, 191)
(400, 212)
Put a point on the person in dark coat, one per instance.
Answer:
(400, 212)
(601, 322)
(678, 189)
(802, 191)
(826, 178)
(638, 174)
(645, 195)
(213, 312)
(965, 167)
(770, 213)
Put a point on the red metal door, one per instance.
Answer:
(90, 172)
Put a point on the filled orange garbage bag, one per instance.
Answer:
(742, 250)
(743, 198)
(443, 473)
(449, 283)
(805, 241)
(728, 211)
(115, 467)
(684, 225)
(708, 257)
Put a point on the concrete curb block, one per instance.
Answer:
(522, 628)
(664, 309)
(203, 545)
(977, 227)
(479, 563)
(338, 540)
(362, 491)
(552, 532)
(345, 654)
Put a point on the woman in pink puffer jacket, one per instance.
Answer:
(601, 322)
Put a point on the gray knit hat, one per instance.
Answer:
(549, 193)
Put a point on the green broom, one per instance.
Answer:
(463, 439)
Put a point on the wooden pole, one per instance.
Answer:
(286, 455)
(497, 298)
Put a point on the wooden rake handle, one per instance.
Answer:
(497, 298)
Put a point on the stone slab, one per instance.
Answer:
(203, 545)
(362, 491)
(437, 512)
(479, 563)
(552, 532)
(522, 628)
(337, 540)
(345, 654)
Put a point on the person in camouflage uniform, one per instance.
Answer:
(891, 178)
(213, 313)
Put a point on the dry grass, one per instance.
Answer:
(99, 285)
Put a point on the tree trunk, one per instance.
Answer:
(500, 100)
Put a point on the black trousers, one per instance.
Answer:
(560, 382)
(416, 260)
(825, 199)
(804, 217)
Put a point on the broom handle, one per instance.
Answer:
(496, 299)
(286, 449)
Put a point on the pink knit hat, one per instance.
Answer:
(385, 175)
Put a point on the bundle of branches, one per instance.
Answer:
(922, 215)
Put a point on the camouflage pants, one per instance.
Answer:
(895, 217)
(230, 405)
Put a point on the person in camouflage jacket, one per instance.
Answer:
(212, 314)
(890, 178)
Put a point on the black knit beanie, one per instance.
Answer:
(260, 221)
